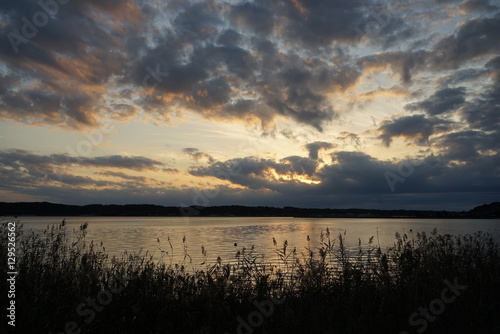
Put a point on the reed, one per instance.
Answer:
(325, 288)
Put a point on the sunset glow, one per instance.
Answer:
(309, 103)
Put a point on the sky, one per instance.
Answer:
(308, 103)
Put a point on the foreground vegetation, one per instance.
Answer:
(425, 283)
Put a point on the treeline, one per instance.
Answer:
(50, 209)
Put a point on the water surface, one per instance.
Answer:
(219, 234)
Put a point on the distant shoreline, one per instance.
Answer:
(45, 209)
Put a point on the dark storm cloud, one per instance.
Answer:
(384, 27)
(244, 166)
(6, 81)
(204, 58)
(299, 89)
(255, 173)
(195, 21)
(196, 63)
(402, 63)
(494, 64)
(296, 165)
(438, 174)
(250, 173)
(229, 37)
(247, 61)
(352, 177)
(478, 5)
(483, 113)
(316, 146)
(71, 51)
(416, 128)
(50, 176)
(119, 161)
(209, 77)
(442, 101)
(467, 145)
(22, 159)
(476, 38)
(239, 62)
(252, 16)
(462, 76)
(354, 173)
(214, 76)
(320, 23)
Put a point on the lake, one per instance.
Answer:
(219, 234)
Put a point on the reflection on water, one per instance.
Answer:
(219, 234)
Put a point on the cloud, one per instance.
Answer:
(24, 160)
(123, 176)
(252, 62)
(467, 145)
(216, 59)
(62, 66)
(313, 23)
(441, 102)
(417, 128)
(316, 146)
(478, 5)
(195, 154)
(462, 76)
(356, 173)
(482, 112)
(118, 161)
(474, 39)
(402, 63)
(258, 173)
(51, 176)
(296, 165)
(171, 170)
(352, 177)
(253, 16)
(352, 138)
(353, 172)
(272, 66)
